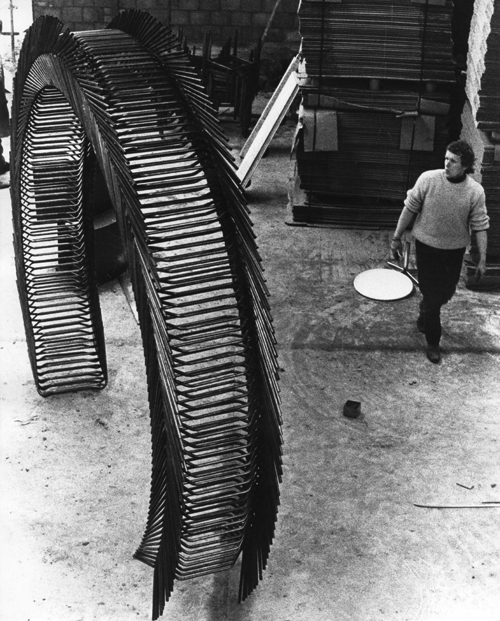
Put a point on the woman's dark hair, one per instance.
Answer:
(465, 152)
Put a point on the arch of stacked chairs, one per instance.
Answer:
(125, 100)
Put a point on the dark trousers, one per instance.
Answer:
(438, 275)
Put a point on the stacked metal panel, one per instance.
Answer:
(385, 67)
(377, 39)
(369, 160)
(128, 98)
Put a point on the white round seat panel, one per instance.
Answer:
(383, 284)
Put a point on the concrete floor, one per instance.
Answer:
(350, 543)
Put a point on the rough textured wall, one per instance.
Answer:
(481, 114)
(474, 137)
(487, 167)
(480, 30)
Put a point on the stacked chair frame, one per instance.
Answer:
(126, 100)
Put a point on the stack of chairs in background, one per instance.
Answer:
(230, 80)
(377, 83)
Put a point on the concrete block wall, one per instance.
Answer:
(223, 17)
(220, 17)
(95, 14)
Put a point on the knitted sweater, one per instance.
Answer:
(447, 212)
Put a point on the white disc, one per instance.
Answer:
(383, 284)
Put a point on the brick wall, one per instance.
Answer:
(221, 17)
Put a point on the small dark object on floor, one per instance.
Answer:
(352, 409)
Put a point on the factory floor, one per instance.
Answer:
(351, 544)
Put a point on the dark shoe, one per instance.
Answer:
(434, 353)
(421, 325)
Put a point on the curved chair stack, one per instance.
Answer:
(126, 100)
